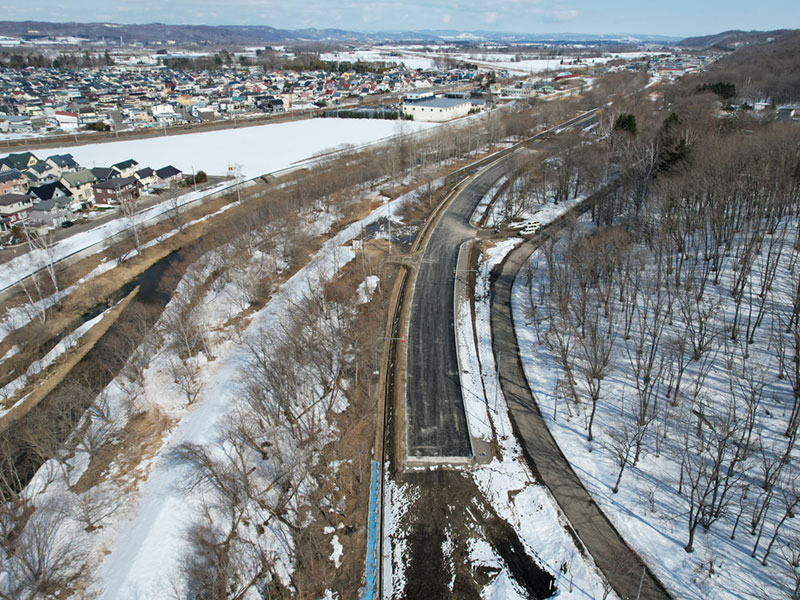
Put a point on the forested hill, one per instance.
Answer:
(730, 40)
(211, 34)
(765, 71)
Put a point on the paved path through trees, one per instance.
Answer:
(621, 566)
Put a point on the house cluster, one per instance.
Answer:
(129, 96)
(531, 87)
(49, 192)
(668, 66)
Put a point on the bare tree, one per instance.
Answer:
(597, 346)
(712, 466)
(187, 375)
(623, 441)
(128, 208)
(43, 245)
(791, 497)
(39, 561)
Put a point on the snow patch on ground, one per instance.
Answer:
(647, 510)
(485, 203)
(67, 342)
(338, 549)
(398, 499)
(367, 288)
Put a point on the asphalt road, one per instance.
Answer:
(437, 423)
(436, 420)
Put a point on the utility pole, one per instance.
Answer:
(389, 221)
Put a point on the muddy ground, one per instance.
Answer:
(448, 511)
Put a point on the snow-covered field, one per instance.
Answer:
(509, 62)
(416, 58)
(259, 149)
(410, 60)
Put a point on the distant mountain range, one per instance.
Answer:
(495, 36)
(262, 34)
(730, 40)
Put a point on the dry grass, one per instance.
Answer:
(139, 441)
(348, 487)
(45, 382)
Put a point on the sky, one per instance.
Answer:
(674, 17)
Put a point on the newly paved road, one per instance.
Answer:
(437, 423)
(621, 566)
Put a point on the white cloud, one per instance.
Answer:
(560, 15)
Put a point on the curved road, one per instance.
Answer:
(437, 423)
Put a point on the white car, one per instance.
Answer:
(530, 228)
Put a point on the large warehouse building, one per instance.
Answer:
(436, 109)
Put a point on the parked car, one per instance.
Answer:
(530, 228)
(67, 224)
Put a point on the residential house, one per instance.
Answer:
(87, 115)
(19, 161)
(50, 191)
(147, 177)
(169, 175)
(62, 163)
(15, 124)
(14, 208)
(205, 114)
(103, 173)
(126, 168)
(41, 173)
(68, 121)
(80, 185)
(165, 114)
(116, 190)
(13, 182)
(52, 212)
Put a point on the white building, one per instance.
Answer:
(68, 121)
(165, 114)
(423, 95)
(437, 110)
